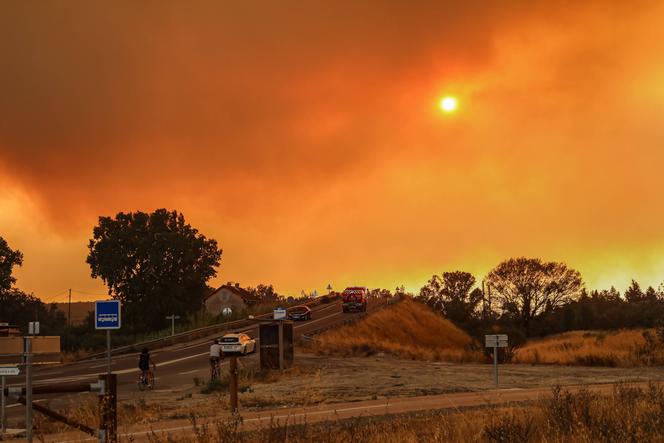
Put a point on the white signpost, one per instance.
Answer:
(9, 371)
(495, 341)
(279, 314)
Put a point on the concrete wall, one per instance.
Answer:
(40, 345)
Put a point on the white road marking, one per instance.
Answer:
(123, 371)
(189, 372)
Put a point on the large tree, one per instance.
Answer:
(156, 264)
(452, 295)
(8, 259)
(526, 288)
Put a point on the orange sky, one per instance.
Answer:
(307, 140)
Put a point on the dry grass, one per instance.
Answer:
(627, 415)
(592, 348)
(407, 329)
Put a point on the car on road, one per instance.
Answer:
(354, 298)
(237, 344)
(301, 312)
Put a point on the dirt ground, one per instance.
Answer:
(321, 379)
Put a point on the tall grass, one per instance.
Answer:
(407, 329)
(628, 414)
(595, 348)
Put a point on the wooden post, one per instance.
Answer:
(108, 411)
(233, 385)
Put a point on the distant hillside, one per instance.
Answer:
(79, 310)
(407, 329)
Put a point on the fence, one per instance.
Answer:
(106, 389)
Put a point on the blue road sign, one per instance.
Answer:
(107, 314)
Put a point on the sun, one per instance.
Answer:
(448, 104)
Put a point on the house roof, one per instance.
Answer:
(245, 295)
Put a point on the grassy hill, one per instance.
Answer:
(632, 347)
(407, 329)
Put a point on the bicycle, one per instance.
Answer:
(146, 380)
(215, 369)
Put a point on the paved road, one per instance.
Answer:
(176, 365)
(341, 411)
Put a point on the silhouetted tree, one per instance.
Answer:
(156, 264)
(528, 288)
(8, 259)
(452, 295)
(633, 294)
(650, 295)
(264, 293)
(19, 308)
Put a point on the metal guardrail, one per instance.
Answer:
(183, 337)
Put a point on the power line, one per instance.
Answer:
(90, 293)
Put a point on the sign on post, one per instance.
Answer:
(279, 314)
(107, 317)
(33, 328)
(9, 371)
(495, 341)
(107, 314)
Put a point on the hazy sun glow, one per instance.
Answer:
(448, 104)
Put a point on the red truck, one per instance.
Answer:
(355, 299)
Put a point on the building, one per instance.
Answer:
(229, 296)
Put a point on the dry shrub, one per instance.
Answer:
(593, 348)
(407, 329)
(629, 414)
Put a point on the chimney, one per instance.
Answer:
(237, 285)
(230, 283)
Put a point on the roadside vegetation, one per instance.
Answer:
(634, 347)
(407, 329)
(628, 414)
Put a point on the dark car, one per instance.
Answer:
(301, 312)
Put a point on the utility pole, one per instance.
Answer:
(68, 323)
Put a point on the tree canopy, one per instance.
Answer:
(156, 264)
(529, 287)
(452, 295)
(9, 258)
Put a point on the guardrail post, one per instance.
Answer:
(233, 385)
(108, 418)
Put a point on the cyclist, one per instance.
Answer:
(215, 358)
(144, 362)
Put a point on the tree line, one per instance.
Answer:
(157, 264)
(531, 297)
